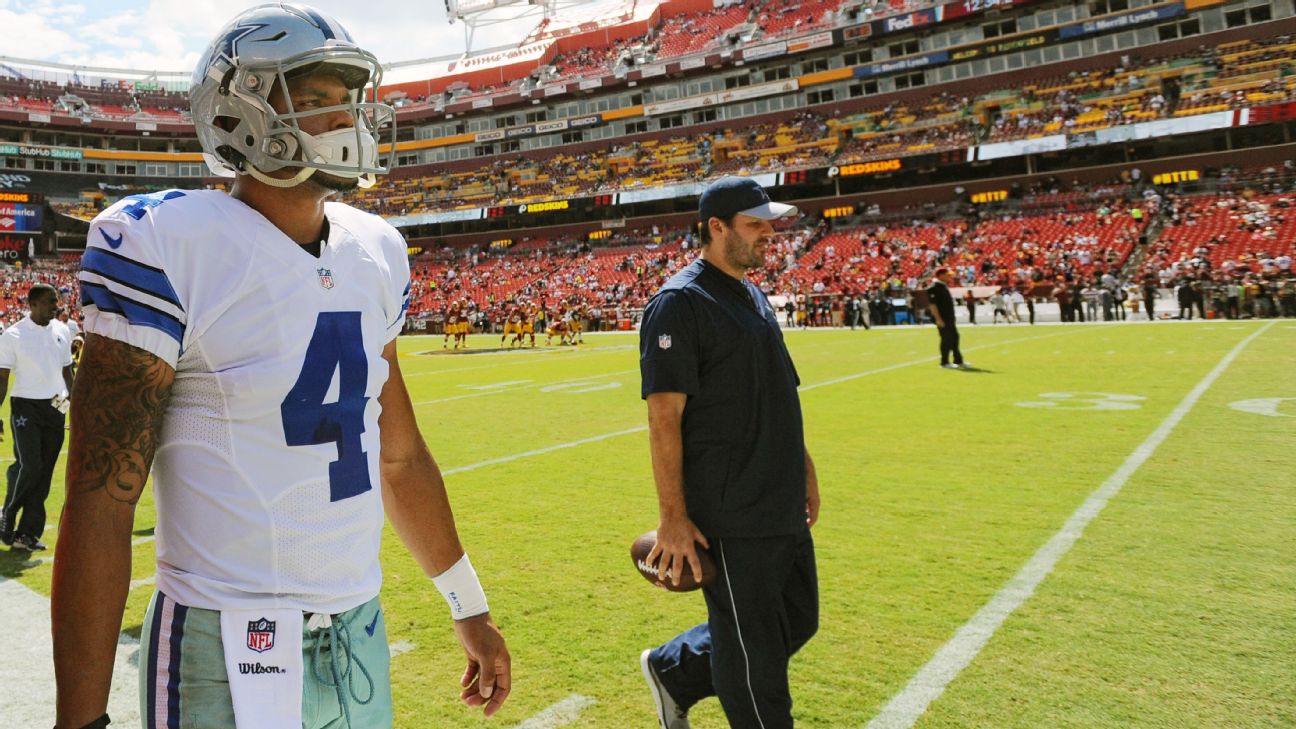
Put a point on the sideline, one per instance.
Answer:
(905, 708)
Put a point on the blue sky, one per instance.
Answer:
(169, 35)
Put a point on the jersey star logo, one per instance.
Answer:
(20, 421)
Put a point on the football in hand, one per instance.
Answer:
(639, 553)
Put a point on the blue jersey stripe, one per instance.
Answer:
(150, 704)
(131, 273)
(135, 312)
(173, 671)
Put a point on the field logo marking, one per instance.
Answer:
(904, 709)
(1085, 401)
(1263, 406)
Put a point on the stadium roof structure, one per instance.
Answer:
(553, 16)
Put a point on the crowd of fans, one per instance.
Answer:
(1125, 93)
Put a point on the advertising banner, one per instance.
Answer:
(551, 126)
(810, 42)
(14, 248)
(911, 63)
(769, 50)
(907, 21)
(1122, 21)
(28, 150)
(20, 218)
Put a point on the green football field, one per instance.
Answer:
(1091, 529)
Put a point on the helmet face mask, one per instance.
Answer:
(256, 55)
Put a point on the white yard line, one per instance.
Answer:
(642, 428)
(560, 714)
(542, 451)
(931, 359)
(518, 385)
(929, 683)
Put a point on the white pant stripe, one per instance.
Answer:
(738, 626)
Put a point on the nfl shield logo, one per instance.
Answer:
(260, 636)
(326, 277)
(664, 341)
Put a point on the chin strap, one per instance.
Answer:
(293, 181)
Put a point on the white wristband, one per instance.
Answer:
(461, 590)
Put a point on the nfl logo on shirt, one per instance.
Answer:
(326, 277)
(260, 635)
(664, 341)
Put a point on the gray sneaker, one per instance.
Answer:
(28, 544)
(669, 713)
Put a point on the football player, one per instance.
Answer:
(453, 317)
(575, 322)
(276, 443)
(529, 313)
(513, 325)
(556, 327)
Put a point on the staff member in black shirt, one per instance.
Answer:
(941, 305)
(732, 471)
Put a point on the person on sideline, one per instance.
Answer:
(721, 389)
(940, 303)
(248, 342)
(37, 353)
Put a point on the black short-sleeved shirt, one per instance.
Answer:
(939, 294)
(716, 339)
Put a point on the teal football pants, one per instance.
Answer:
(184, 684)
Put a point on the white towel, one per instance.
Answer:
(263, 656)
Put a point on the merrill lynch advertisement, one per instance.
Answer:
(1126, 20)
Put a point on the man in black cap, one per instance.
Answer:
(731, 469)
(941, 305)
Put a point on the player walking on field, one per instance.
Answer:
(277, 441)
(732, 471)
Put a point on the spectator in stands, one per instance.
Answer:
(940, 303)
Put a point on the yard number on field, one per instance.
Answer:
(1085, 401)
(1264, 406)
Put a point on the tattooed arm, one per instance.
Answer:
(117, 414)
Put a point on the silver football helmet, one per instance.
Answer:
(258, 51)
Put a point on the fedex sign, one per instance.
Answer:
(909, 21)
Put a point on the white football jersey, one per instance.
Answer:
(266, 476)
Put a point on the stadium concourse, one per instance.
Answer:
(1099, 233)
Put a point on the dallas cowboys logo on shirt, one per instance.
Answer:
(20, 421)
